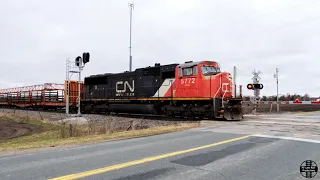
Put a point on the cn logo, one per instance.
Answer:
(125, 86)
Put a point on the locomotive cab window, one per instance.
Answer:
(195, 70)
(180, 72)
(187, 71)
(209, 70)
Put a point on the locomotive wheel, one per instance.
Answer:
(169, 113)
(190, 115)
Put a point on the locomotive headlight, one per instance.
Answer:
(229, 77)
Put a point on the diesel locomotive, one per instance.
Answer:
(192, 89)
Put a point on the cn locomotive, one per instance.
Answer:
(191, 89)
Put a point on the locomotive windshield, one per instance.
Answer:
(208, 70)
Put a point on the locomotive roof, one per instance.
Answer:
(158, 65)
(149, 67)
(162, 67)
(190, 63)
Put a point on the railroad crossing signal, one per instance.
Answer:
(255, 86)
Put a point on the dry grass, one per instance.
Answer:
(20, 120)
(61, 135)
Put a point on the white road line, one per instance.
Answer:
(302, 123)
(288, 138)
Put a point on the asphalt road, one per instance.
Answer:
(212, 152)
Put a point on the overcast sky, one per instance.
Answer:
(36, 37)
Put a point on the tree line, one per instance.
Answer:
(288, 97)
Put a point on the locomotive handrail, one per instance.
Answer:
(225, 94)
(217, 92)
(218, 89)
(223, 97)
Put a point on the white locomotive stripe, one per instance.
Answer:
(164, 87)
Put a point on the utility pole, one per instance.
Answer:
(276, 75)
(234, 81)
(131, 5)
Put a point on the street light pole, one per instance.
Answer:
(131, 5)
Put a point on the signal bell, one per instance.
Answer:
(255, 86)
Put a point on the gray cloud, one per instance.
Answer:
(36, 37)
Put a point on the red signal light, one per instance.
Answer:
(255, 86)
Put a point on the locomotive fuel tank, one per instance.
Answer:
(132, 108)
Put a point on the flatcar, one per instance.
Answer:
(192, 89)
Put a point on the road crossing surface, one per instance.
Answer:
(260, 147)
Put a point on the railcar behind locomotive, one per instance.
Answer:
(192, 89)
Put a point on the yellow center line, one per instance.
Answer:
(141, 161)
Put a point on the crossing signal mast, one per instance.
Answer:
(256, 87)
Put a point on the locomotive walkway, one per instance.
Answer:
(250, 149)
